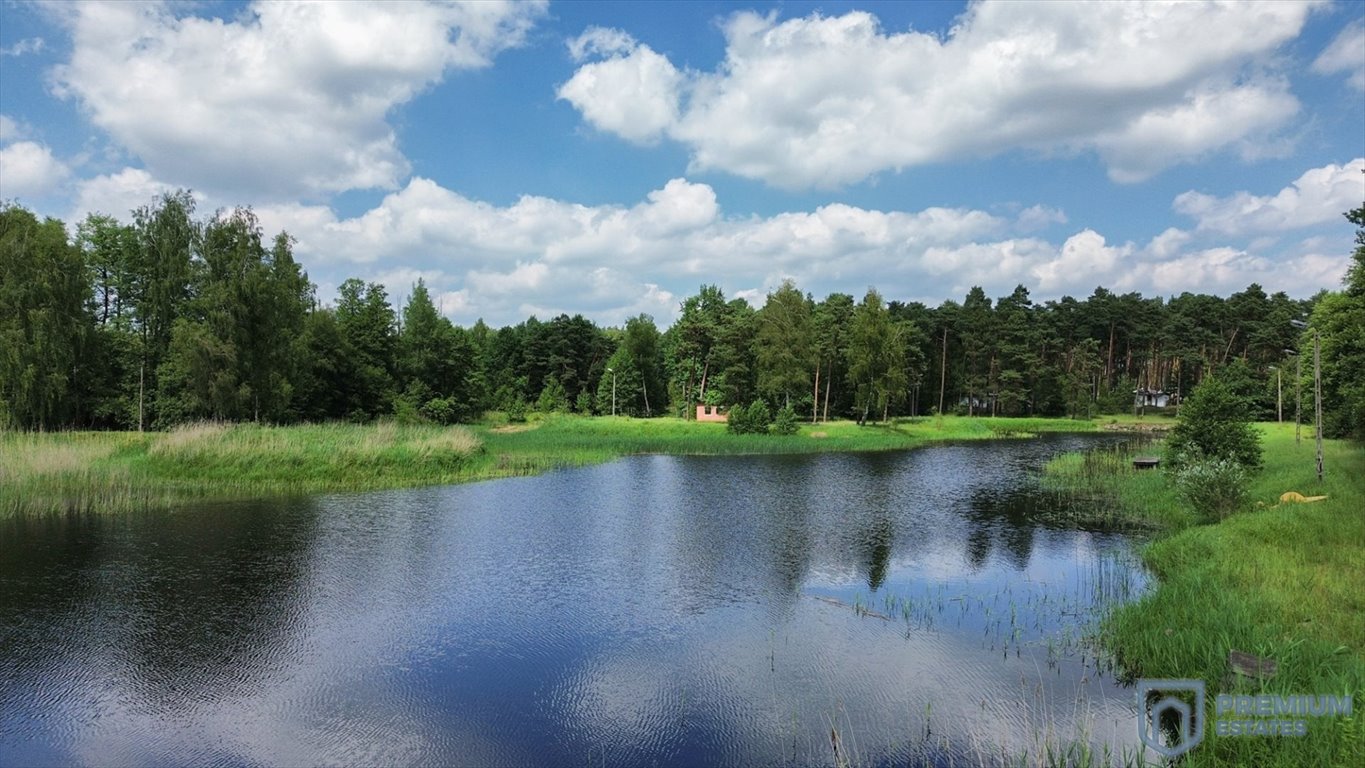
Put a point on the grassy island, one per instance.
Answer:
(42, 473)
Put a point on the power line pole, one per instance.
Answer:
(1298, 394)
(1317, 395)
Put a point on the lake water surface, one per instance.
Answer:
(912, 607)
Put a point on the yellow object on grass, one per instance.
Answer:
(1294, 497)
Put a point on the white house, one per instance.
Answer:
(1152, 398)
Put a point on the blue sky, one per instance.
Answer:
(609, 158)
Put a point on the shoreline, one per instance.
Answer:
(1279, 581)
(1276, 581)
(112, 472)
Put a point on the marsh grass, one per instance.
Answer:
(114, 472)
(1103, 488)
(1282, 581)
(323, 450)
(42, 473)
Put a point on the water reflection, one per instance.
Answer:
(163, 614)
(655, 610)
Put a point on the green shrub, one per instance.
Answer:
(1215, 488)
(553, 398)
(1214, 424)
(440, 410)
(405, 411)
(752, 419)
(785, 423)
(516, 410)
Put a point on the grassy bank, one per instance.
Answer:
(112, 472)
(1281, 581)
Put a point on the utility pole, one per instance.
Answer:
(1298, 394)
(1317, 395)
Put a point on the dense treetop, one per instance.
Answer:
(173, 318)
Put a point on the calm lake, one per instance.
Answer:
(912, 607)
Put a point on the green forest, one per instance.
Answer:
(174, 318)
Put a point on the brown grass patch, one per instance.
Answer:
(508, 429)
(30, 455)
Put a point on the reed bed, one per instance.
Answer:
(44, 472)
(117, 472)
(314, 450)
(1063, 619)
(114, 472)
(1102, 488)
(1281, 581)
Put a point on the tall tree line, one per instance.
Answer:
(174, 318)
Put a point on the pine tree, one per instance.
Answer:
(786, 345)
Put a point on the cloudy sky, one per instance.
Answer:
(609, 158)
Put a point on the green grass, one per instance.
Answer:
(113, 472)
(1153, 420)
(562, 440)
(1112, 493)
(578, 440)
(1282, 581)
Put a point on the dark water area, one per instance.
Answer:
(918, 607)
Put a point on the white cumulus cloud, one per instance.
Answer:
(28, 169)
(540, 254)
(9, 130)
(1187, 130)
(1084, 258)
(24, 47)
(601, 41)
(825, 101)
(286, 99)
(545, 256)
(1346, 53)
(118, 194)
(1320, 195)
(633, 93)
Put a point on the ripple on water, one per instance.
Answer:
(654, 610)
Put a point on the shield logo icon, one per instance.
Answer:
(1171, 715)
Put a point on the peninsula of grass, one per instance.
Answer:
(43, 473)
(1281, 581)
